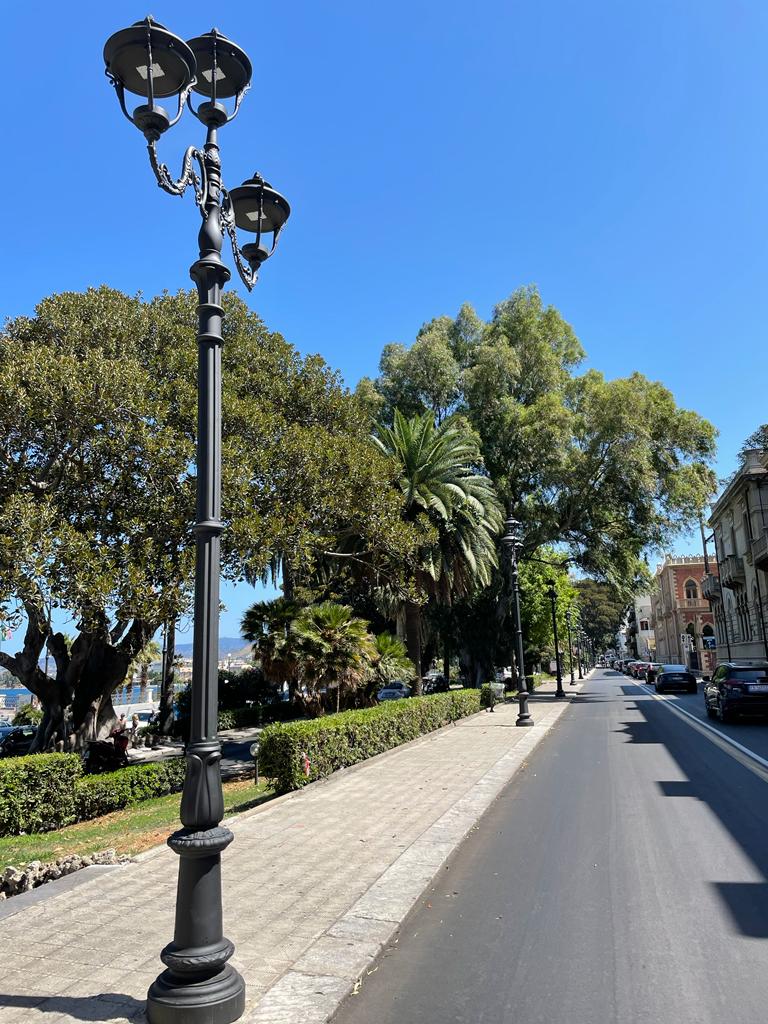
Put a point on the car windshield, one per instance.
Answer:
(749, 673)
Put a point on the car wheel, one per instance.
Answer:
(693, 689)
(711, 712)
(724, 715)
(659, 689)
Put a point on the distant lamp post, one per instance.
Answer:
(579, 640)
(559, 692)
(512, 543)
(146, 60)
(569, 625)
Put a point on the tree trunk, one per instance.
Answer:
(166, 685)
(143, 681)
(413, 641)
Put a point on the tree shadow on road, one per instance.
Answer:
(735, 794)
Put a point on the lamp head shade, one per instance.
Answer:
(127, 58)
(222, 63)
(258, 207)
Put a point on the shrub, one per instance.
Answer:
(296, 753)
(37, 792)
(112, 791)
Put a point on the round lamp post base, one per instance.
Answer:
(216, 1000)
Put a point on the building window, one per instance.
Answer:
(643, 625)
(691, 590)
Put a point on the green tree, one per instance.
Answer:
(388, 661)
(267, 624)
(27, 715)
(149, 653)
(757, 441)
(441, 481)
(97, 449)
(604, 468)
(333, 648)
(601, 610)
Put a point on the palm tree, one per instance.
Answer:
(389, 661)
(267, 624)
(333, 646)
(149, 653)
(442, 481)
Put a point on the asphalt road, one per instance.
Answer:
(752, 733)
(622, 877)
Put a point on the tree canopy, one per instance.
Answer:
(97, 434)
(604, 468)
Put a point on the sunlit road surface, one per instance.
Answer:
(621, 877)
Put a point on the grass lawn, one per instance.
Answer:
(130, 831)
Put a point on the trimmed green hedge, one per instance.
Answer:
(112, 791)
(43, 792)
(37, 792)
(338, 741)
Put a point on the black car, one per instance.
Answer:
(737, 688)
(16, 739)
(675, 677)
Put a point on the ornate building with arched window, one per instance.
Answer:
(681, 618)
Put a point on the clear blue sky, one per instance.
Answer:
(434, 153)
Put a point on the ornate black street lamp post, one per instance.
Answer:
(559, 692)
(512, 543)
(199, 986)
(579, 639)
(569, 623)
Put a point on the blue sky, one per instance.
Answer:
(434, 153)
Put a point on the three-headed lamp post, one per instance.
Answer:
(552, 593)
(512, 544)
(569, 624)
(199, 986)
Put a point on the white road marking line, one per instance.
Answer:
(704, 725)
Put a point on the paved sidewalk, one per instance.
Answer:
(314, 884)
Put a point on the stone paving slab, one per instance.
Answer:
(315, 884)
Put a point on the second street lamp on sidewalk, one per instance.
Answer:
(579, 638)
(569, 624)
(199, 985)
(511, 542)
(559, 692)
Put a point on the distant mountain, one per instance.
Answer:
(234, 645)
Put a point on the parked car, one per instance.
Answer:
(652, 669)
(16, 739)
(435, 684)
(737, 688)
(394, 691)
(675, 677)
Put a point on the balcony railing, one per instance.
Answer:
(732, 571)
(710, 588)
(760, 551)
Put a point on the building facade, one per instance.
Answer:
(739, 593)
(645, 638)
(681, 617)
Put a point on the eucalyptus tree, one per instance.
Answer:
(605, 468)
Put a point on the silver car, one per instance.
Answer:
(394, 691)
